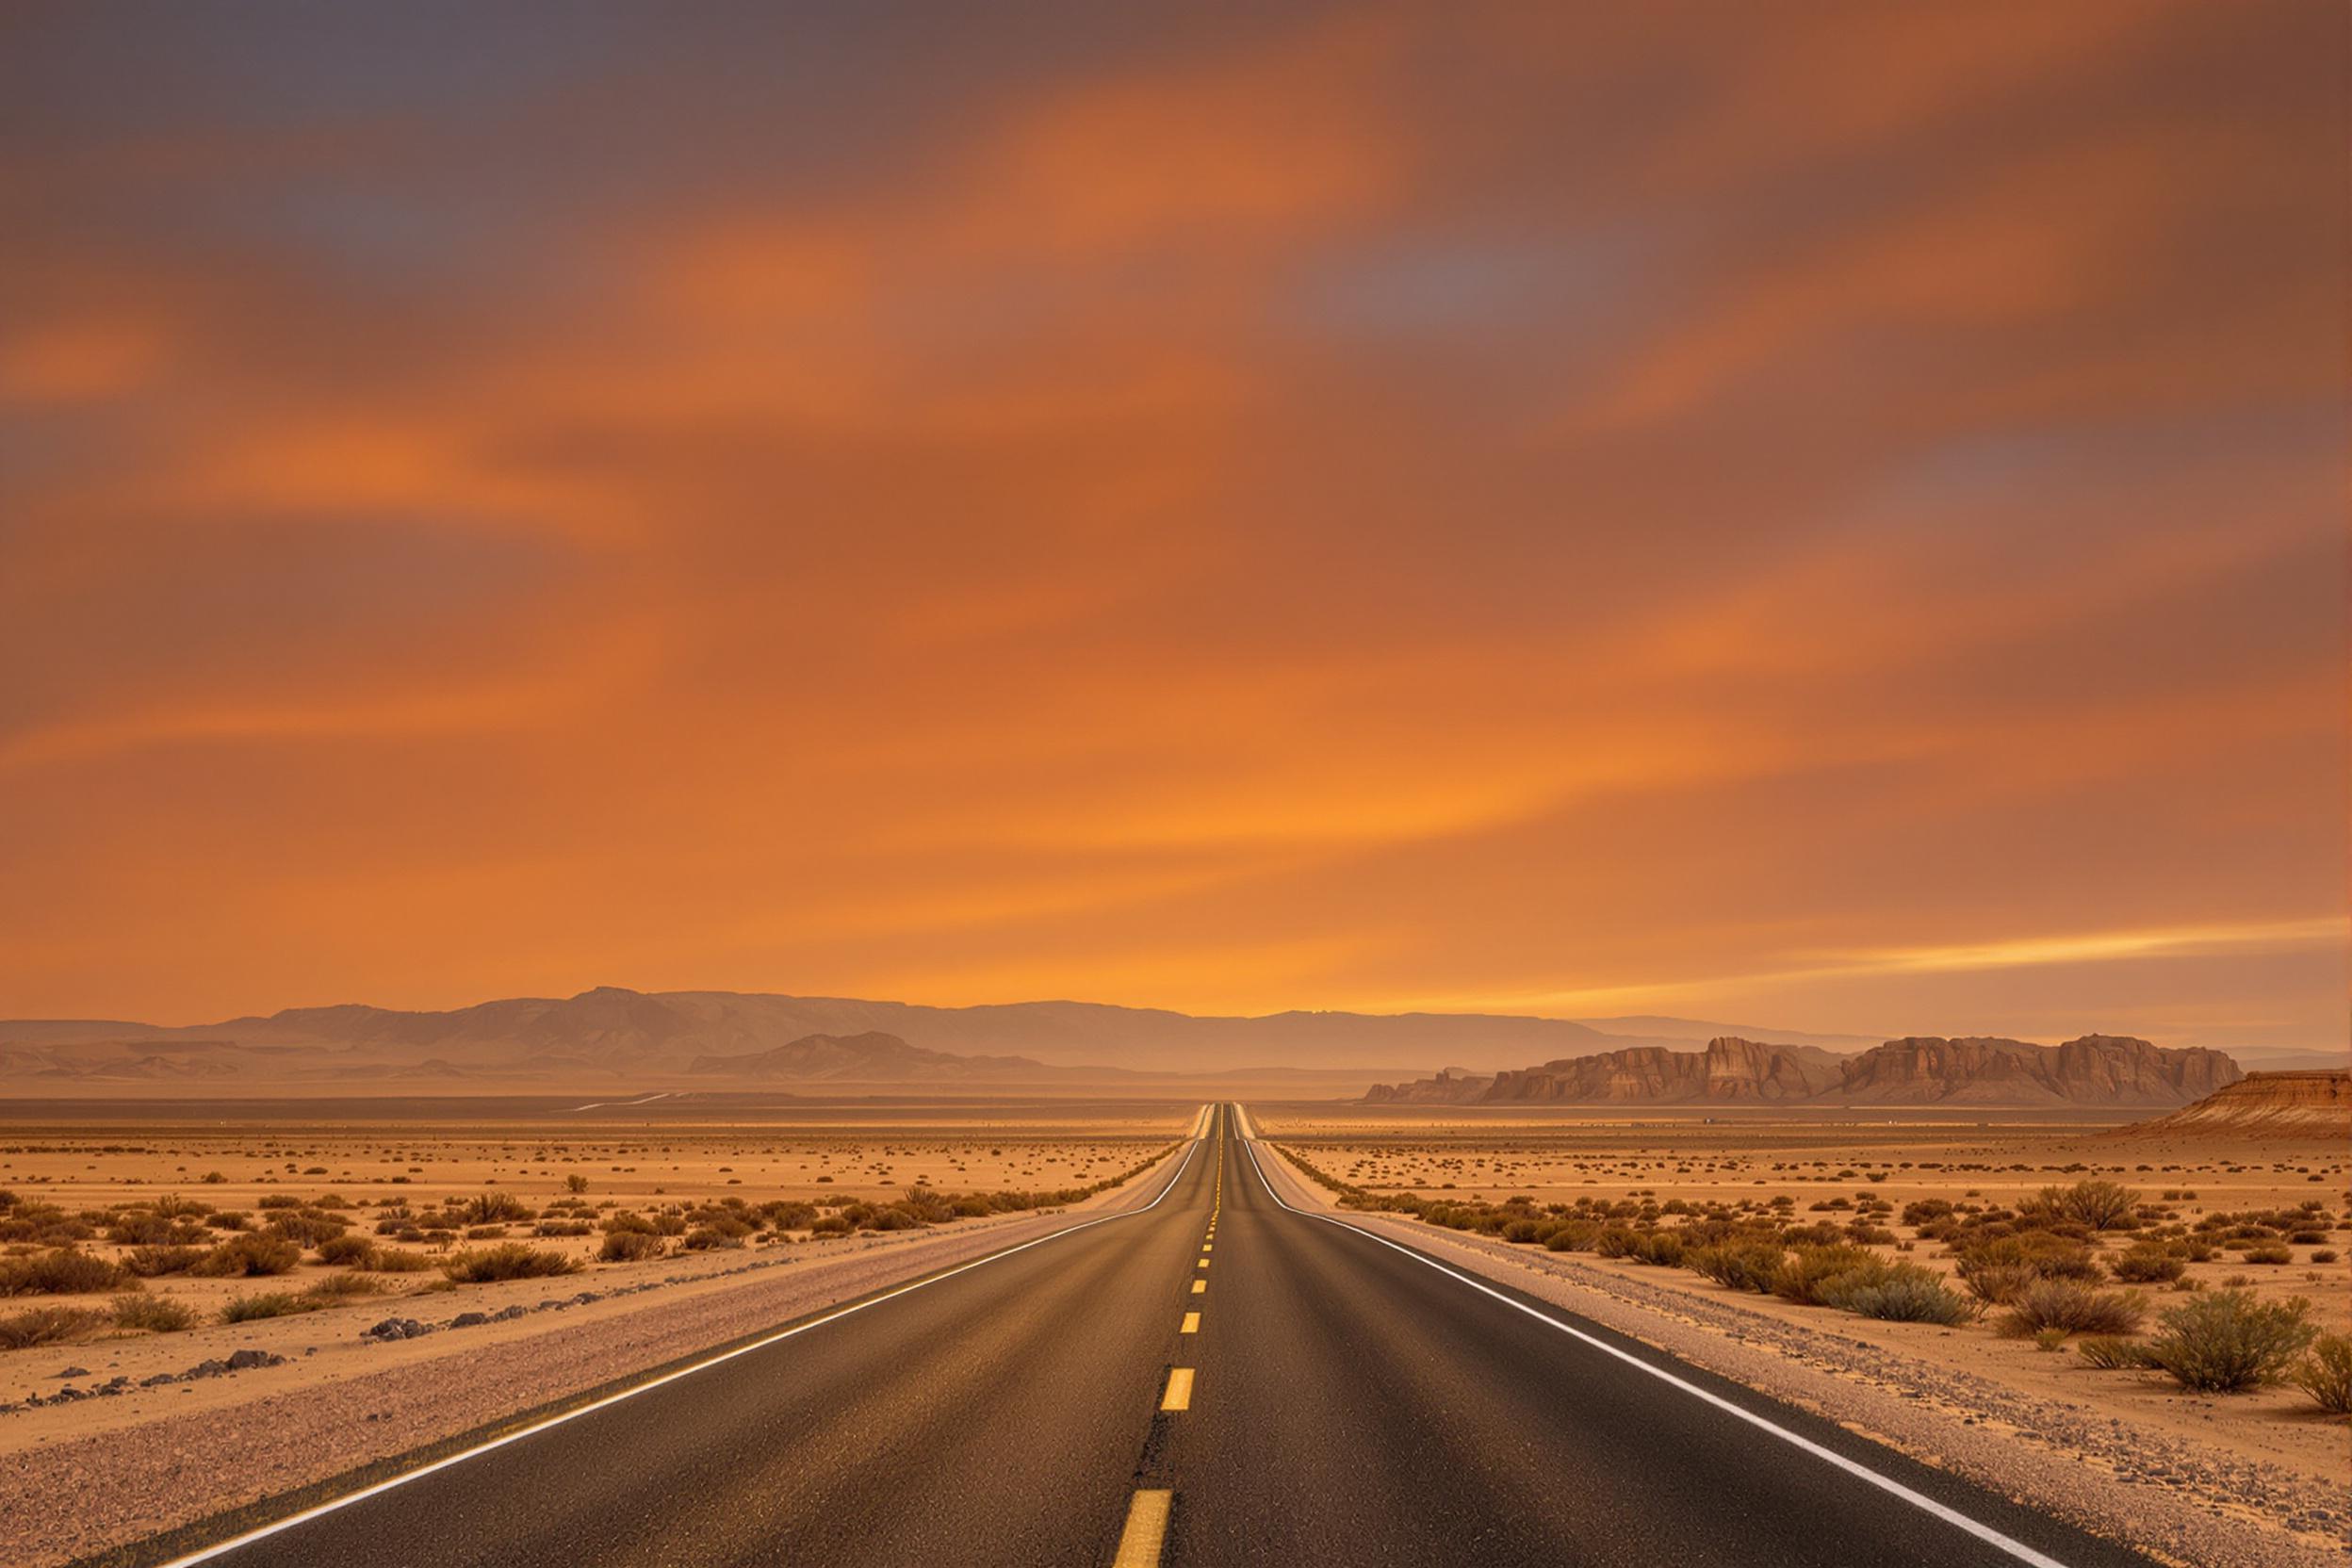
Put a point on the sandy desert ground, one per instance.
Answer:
(1874, 1170)
(752, 1213)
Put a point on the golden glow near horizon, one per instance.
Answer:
(1341, 508)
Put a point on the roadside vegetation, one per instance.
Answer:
(2037, 1270)
(47, 1250)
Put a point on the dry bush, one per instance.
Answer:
(2147, 1264)
(2072, 1307)
(492, 1208)
(2269, 1252)
(22, 1331)
(511, 1261)
(342, 1287)
(247, 1254)
(274, 1304)
(1742, 1266)
(1999, 1270)
(632, 1247)
(2224, 1341)
(347, 1251)
(2094, 1205)
(2326, 1374)
(1899, 1292)
(133, 1309)
(1808, 1268)
(64, 1271)
(2112, 1353)
(149, 1262)
(398, 1260)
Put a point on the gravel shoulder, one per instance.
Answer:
(2162, 1490)
(88, 1478)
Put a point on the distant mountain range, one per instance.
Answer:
(2094, 1069)
(709, 1039)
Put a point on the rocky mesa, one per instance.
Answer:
(2092, 1069)
(2302, 1105)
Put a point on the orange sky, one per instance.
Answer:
(1820, 515)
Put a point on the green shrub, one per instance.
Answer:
(513, 1260)
(1899, 1292)
(22, 1331)
(1810, 1267)
(2111, 1353)
(1998, 1270)
(64, 1271)
(2072, 1307)
(2326, 1374)
(134, 1310)
(2222, 1341)
(247, 1254)
(1574, 1235)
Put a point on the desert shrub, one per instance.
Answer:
(22, 1331)
(281, 1201)
(563, 1228)
(2222, 1341)
(1574, 1235)
(2072, 1307)
(61, 1272)
(2326, 1374)
(340, 1287)
(486, 1233)
(149, 1262)
(492, 1208)
(1618, 1241)
(229, 1220)
(2096, 1205)
(271, 1303)
(1810, 1267)
(249, 1253)
(1999, 1268)
(632, 1247)
(1899, 1292)
(135, 1310)
(1523, 1231)
(510, 1260)
(347, 1251)
(2325, 1254)
(2111, 1353)
(628, 1220)
(138, 1229)
(398, 1260)
(704, 1238)
(2148, 1264)
(172, 1206)
(2270, 1251)
(1742, 1264)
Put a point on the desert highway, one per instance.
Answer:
(1215, 1378)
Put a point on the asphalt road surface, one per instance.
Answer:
(1215, 1378)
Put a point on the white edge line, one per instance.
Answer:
(2017, 1549)
(262, 1532)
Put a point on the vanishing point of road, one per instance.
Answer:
(1212, 1377)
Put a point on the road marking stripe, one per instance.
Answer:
(1147, 1526)
(332, 1504)
(1178, 1394)
(1199, 1287)
(1203, 1263)
(1985, 1533)
(1192, 1324)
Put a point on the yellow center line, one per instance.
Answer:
(1205, 1263)
(1147, 1527)
(1178, 1394)
(1199, 1287)
(1192, 1324)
